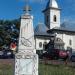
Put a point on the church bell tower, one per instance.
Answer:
(52, 14)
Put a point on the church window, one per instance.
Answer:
(40, 44)
(54, 18)
(70, 42)
(44, 45)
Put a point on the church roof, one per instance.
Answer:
(69, 24)
(41, 30)
(52, 3)
(64, 29)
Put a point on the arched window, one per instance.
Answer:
(70, 42)
(54, 18)
(40, 44)
(44, 45)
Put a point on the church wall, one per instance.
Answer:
(63, 36)
(74, 42)
(38, 40)
(52, 23)
(49, 16)
(66, 39)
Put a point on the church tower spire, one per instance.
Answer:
(52, 14)
(52, 3)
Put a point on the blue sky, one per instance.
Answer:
(12, 9)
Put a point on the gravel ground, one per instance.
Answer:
(58, 62)
(7, 61)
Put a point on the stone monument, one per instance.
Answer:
(26, 60)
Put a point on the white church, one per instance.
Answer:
(64, 37)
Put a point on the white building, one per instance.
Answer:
(65, 38)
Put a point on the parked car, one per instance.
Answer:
(45, 55)
(63, 54)
(8, 54)
(55, 54)
(52, 54)
(72, 57)
(5, 54)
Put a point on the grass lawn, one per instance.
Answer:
(6, 69)
(45, 69)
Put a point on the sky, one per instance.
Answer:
(13, 9)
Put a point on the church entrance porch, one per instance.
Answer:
(59, 44)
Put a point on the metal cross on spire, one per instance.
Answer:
(27, 8)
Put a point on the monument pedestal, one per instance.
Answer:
(26, 60)
(26, 64)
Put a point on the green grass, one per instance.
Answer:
(56, 70)
(44, 69)
(6, 69)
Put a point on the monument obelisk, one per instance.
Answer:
(26, 60)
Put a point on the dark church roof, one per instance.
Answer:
(41, 30)
(66, 26)
(63, 29)
(69, 24)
